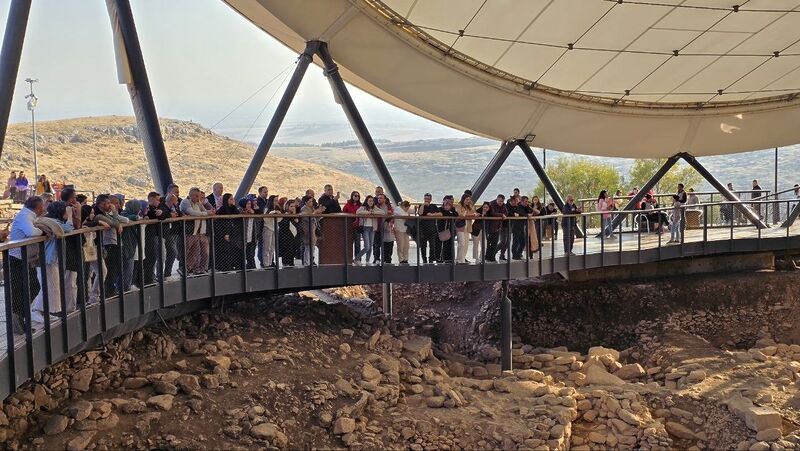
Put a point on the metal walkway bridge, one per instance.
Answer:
(88, 314)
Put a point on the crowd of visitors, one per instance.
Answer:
(18, 188)
(271, 230)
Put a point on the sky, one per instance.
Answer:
(203, 59)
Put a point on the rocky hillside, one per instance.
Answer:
(105, 154)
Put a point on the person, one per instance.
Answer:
(682, 199)
(330, 201)
(569, 223)
(196, 238)
(130, 242)
(517, 226)
(551, 210)
(173, 235)
(401, 230)
(603, 205)
(655, 219)
(289, 239)
(227, 235)
(248, 206)
(387, 236)
(351, 207)
(22, 187)
(692, 199)
(265, 230)
(538, 209)
(215, 198)
(73, 250)
(11, 186)
(61, 223)
(151, 244)
(447, 229)
(430, 247)
(478, 244)
(383, 203)
(497, 210)
(531, 225)
(618, 200)
(43, 185)
(465, 209)
(675, 230)
(504, 238)
(308, 227)
(369, 223)
(754, 194)
(23, 228)
(111, 243)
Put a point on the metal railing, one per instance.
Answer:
(63, 294)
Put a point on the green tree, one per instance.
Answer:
(583, 178)
(643, 169)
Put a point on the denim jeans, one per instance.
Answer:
(369, 235)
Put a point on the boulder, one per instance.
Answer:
(134, 383)
(80, 410)
(596, 375)
(56, 425)
(530, 375)
(679, 430)
(344, 426)
(161, 402)
(221, 361)
(769, 435)
(760, 418)
(418, 347)
(631, 371)
(269, 431)
(80, 442)
(81, 380)
(597, 351)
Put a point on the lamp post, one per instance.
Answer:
(32, 101)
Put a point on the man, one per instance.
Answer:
(504, 237)
(215, 198)
(377, 245)
(151, 238)
(428, 233)
(682, 199)
(756, 192)
(22, 228)
(515, 210)
(265, 243)
(175, 191)
(109, 212)
(497, 209)
(329, 201)
(196, 238)
(569, 224)
(173, 231)
(379, 191)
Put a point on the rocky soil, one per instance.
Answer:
(294, 372)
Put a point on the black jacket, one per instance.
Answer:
(330, 203)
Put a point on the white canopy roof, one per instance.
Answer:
(626, 78)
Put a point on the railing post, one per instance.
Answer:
(101, 278)
(48, 346)
(387, 299)
(9, 305)
(61, 250)
(160, 271)
(120, 278)
(505, 329)
(26, 311)
(140, 237)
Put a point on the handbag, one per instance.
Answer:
(89, 251)
(445, 235)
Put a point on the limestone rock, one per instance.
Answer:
(269, 431)
(56, 425)
(344, 426)
(769, 435)
(81, 380)
(679, 430)
(221, 361)
(80, 410)
(631, 371)
(530, 375)
(597, 351)
(80, 442)
(762, 418)
(161, 402)
(418, 347)
(596, 375)
(134, 383)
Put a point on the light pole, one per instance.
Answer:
(32, 101)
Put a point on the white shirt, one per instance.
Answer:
(23, 228)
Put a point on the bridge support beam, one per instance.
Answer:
(792, 216)
(10, 55)
(505, 329)
(719, 186)
(277, 119)
(343, 98)
(132, 71)
(387, 299)
(491, 169)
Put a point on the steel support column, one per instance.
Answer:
(141, 96)
(637, 198)
(277, 119)
(505, 329)
(387, 299)
(343, 98)
(719, 186)
(792, 216)
(14, 37)
(491, 169)
(548, 184)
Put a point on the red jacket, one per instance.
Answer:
(352, 208)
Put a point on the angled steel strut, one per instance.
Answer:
(141, 96)
(501, 156)
(13, 39)
(719, 186)
(342, 97)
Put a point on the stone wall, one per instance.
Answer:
(732, 310)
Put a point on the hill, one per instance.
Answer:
(105, 154)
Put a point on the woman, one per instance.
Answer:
(604, 206)
(43, 185)
(22, 187)
(289, 239)
(130, 242)
(446, 228)
(11, 186)
(351, 207)
(465, 209)
(268, 232)
(227, 236)
(61, 220)
(538, 209)
(369, 223)
(401, 230)
(478, 244)
(248, 206)
(308, 227)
